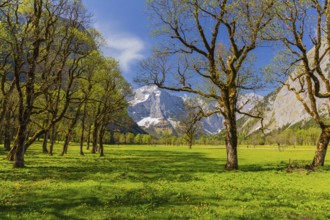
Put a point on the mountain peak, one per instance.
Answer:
(154, 109)
(142, 94)
(148, 89)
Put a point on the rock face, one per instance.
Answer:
(282, 108)
(154, 109)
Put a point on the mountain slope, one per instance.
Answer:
(281, 108)
(154, 110)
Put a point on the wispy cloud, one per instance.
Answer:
(126, 47)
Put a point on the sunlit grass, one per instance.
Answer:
(159, 182)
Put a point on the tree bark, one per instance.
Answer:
(229, 113)
(231, 145)
(82, 136)
(11, 153)
(26, 98)
(101, 135)
(322, 147)
(95, 134)
(52, 141)
(1, 135)
(82, 143)
(70, 130)
(7, 139)
(7, 131)
(89, 136)
(19, 150)
(66, 143)
(44, 143)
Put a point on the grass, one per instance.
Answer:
(148, 182)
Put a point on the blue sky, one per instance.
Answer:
(126, 28)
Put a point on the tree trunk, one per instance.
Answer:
(101, 135)
(231, 145)
(1, 135)
(322, 146)
(7, 131)
(7, 141)
(10, 155)
(16, 154)
(82, 136)
(89, 136)
(19, 147)
(52, 140)
(229, 101)
(70, 130)
(66, 143)
(95, 134)
(82, 143)
(44, 144)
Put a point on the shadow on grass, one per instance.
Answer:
(132, 165)
(59, 206)
(72, 198)
(281, 166)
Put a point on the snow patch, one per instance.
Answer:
(148, 121)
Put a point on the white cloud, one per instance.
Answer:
(127, 49)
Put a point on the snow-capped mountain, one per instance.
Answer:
(155, 109)
(152, 108)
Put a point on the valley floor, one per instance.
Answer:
(158, 182)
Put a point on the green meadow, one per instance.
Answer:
(159, 182)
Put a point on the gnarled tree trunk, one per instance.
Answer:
(322, 146)
(229, 110)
